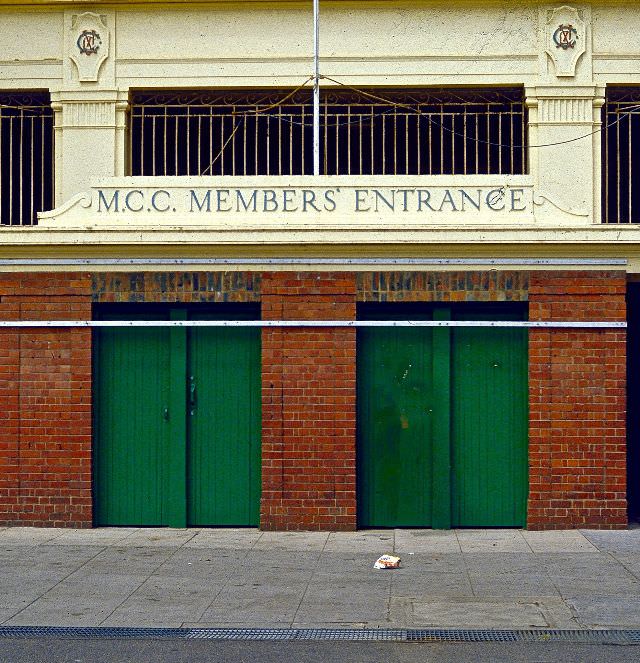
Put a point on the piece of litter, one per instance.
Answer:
(387, 562)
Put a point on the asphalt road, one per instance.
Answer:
(57, 650)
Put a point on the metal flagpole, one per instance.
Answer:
(316, 87)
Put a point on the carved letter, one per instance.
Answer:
(127, 201)
(270, 202)
(494, 198)
(517, 199)
(308, 198)
(153, 201)
(206, 200)
(424, 196)
(360, 200)
(329, 201)
(466, 196)
(287, 200)
(246, 203)
(107, 206)
(390, 204)
(222, 196)
(447, 198)
(405, 198)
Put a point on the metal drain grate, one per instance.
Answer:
(463, 635)
(90, 632)
(610, 636)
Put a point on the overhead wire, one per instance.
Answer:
(244, 114)
(478, 140)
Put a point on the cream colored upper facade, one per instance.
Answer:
(148, 45)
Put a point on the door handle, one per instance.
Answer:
(165, 413)
(192, 395)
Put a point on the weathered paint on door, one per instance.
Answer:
(177, 422)
(489, 425)
(463, 458)
(223, 461)
(394, 427)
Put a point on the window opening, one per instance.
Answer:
(419, 132)
(621, 155)
(26, 157)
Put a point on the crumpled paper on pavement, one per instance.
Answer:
(387, 562)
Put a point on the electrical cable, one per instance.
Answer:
(478, 140)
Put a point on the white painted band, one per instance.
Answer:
(543, 324)
(551, 262)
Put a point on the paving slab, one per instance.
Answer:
(614, 541)
(103, 536)
(506, 585)
(483, 613)
(492, 541)
(162, 601)
(295, 541)
(504, 563)
(346, 601)
(282, 559)
(595, 587)
(558, 541)
(577, 565)
(255, 605)
(430, 585)
(420, 564)
(430, 541)
(28, 536)
(239, 539)
(629, 560)
(606, 612)
(160, 537)
(71, 607)
(375, 541)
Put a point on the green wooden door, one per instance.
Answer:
(442, 421)
(394, 422)
(489, 424)
(167, 454)
(130, 461)
(224, 425)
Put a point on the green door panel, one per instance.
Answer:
(394, 427)
(442, 420)
(155, 463)
(131, 423)
(489, 425)
(224, 426)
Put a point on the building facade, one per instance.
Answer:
(437, 330)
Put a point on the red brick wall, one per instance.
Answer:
(45, 399)
(308, 404)
(577, 390)
(577, 387)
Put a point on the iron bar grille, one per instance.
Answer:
(26, 157)
(427, 132)
(621, 155)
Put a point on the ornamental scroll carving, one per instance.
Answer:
(88, 45)
(566, 39)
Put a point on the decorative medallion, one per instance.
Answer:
(88, 44)
(565, 37)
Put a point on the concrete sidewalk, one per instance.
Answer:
(247, 578)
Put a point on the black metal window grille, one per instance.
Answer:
(26, 157)
(621, 155)
(421, 132)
